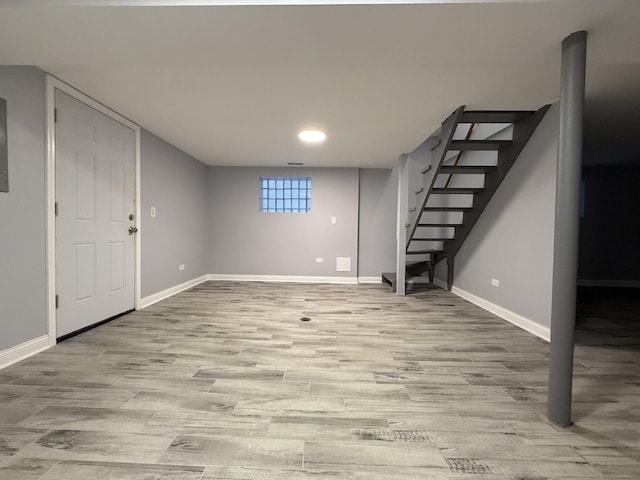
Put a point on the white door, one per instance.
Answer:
(95, 194)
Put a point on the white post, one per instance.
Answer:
(401, 228)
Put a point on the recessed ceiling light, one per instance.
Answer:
(312, 136)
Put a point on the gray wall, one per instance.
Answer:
(245, 241)
(513, 240)
(377, 224)
(176, 185)
(22, 210)
(610, 228)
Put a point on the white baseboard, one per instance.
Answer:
(609, 283)
(156, 297)
(377, 279)
(232, 277)
(24, 350)
(516, 319)
(511, 317)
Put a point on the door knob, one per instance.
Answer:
(132, 230)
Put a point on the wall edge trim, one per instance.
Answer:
(514, 318)
(24, 350)
(168, 292)
(232, 277)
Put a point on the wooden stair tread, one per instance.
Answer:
(484, 145)
(423, 252)
(467, 168)
(430, 239)
(441, 224)
(447, 209)
(494, 116)
(455, 191)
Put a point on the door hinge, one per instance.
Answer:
(56, 301)
(55, 208)
(55, 115)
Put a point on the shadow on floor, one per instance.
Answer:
(608, 317)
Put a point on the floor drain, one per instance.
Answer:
(305, 319)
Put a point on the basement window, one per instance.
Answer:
(285, 194)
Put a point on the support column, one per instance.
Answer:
(401, 228)
(565, 250)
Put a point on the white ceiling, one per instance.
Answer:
(232, 85)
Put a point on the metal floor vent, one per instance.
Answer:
(467, 465)
(392, 435)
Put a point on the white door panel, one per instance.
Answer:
(117, 269)
(95, 192)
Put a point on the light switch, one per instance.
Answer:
(153, 211)
(334, 220)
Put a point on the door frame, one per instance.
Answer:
(51, 85)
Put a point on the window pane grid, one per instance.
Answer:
(285, 194)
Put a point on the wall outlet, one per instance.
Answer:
(495, 282)
(319, 259)
(334, 220)
(181, 266)
(153, 211)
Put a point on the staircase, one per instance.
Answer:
(467, 159)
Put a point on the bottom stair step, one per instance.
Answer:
(390, 279)
(417, 268)
(412, 282)
(423, 252)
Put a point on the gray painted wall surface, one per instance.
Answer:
(176, 185)
(377, 225)
(610, 228)
(247, 242)
(513, 240)
(22, 210)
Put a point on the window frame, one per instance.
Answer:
(284, 194)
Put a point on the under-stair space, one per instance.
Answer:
(452, 176)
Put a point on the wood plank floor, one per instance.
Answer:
(225, 382)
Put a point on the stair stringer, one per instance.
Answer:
(438, 155)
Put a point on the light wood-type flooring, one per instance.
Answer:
(224, 381)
